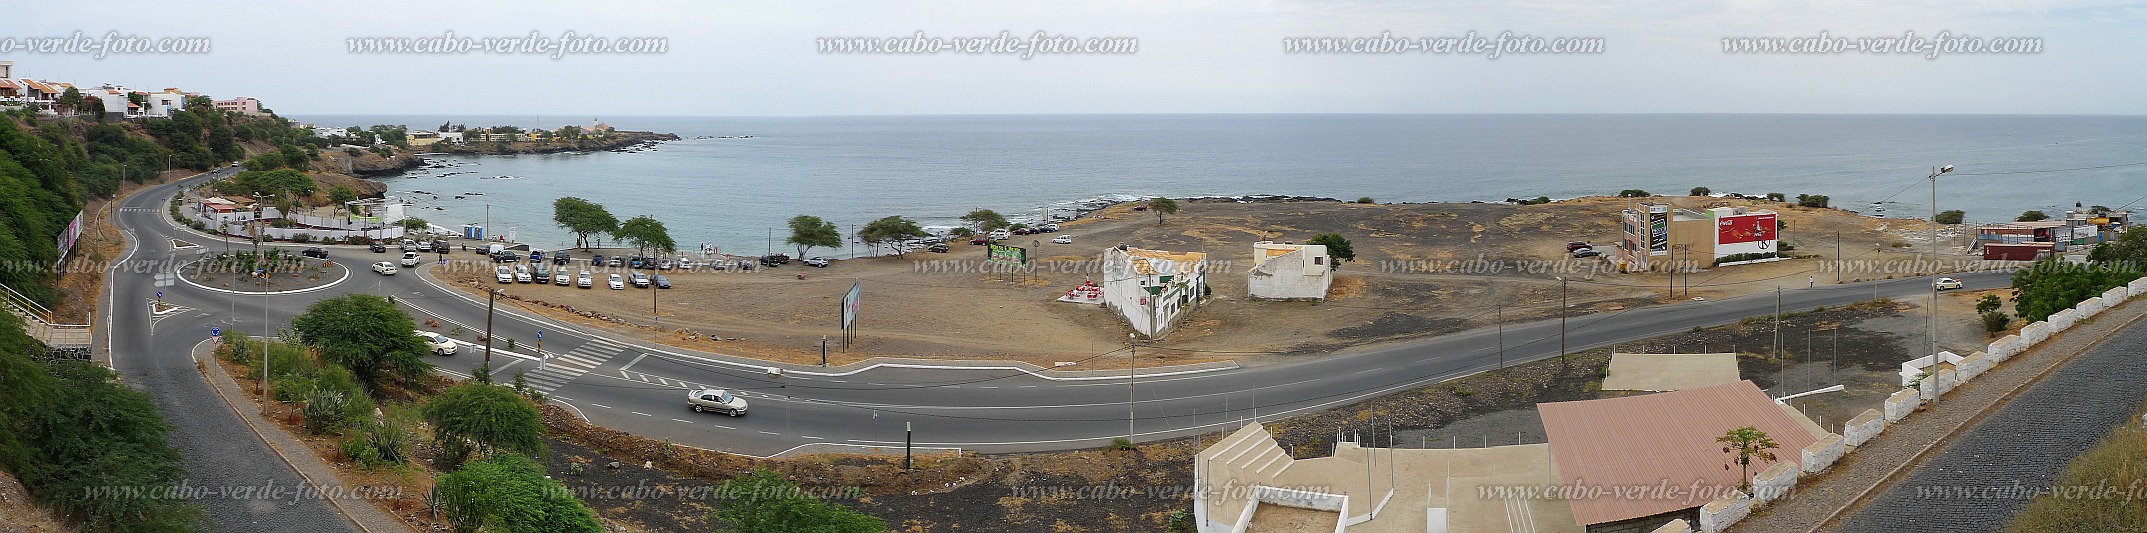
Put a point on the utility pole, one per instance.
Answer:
(1562, 307)
(1931, 315)
(1132, 347)
(491, 295)
(1777, 321)
(1502, 336)
(823, 351)
(1837, 258)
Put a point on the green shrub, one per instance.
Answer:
(509, 493)
(1121, 443)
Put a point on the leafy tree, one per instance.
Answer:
(985, 219)
(366, 334)
(583, 218)
(278, 182)
(2129, 249)
(510, 493)
(807, 232)
(342, 194)
(1777, 197)
(72, 97)
(963, 232)
(483, 419)
(414, 224)
(1162, 206)
(1953, 216)
(646, 233)
(1989, 303)
(1748, 443)
(2051, 285)
(2032, 216)
(1365, 200)
(1633, 193)
(2098, 210)
(765, 502)
(890, 230)
(1337, 246)
(1812, 200)
(1701, 191)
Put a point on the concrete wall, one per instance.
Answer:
(1289, 276)
(1939, 384)
(2089, 307)
(1820, 455)
(1774, 482)
(1302, 499)
(1900, 405)
(1725, 511)
(2004, 348)
(2137, 288)
(2033, 334)
(1863, 428)
(2063, 320)
(1974, 365)
(1674, 526)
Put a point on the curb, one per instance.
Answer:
(219, 381)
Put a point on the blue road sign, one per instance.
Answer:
(216, 332)
(540, 334)
(160, 295)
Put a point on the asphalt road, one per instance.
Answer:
(640, 388)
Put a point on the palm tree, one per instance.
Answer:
(1748, 443)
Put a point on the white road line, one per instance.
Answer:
(771, 433)
(677, 420)
(812, 437)
(601, 405)
(630, 364)
(641, 413)
(724, 427)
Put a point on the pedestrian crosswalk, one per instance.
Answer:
(561, 368)
(138, 209)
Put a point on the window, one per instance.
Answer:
(1319, 260)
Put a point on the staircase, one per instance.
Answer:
(68, 341)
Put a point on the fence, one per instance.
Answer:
(62, 340)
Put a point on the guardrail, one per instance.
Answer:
(60, 340)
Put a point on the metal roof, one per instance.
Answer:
(1664, 439)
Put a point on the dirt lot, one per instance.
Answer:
(1421, 270)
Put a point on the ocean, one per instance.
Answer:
(735, 192)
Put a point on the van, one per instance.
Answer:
(496, 249)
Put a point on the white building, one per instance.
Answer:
(165, 103)
(1289, 271)
(1152, 289)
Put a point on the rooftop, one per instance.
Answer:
(1653, 439)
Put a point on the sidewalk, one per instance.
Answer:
(361, 514)
(1826, 502)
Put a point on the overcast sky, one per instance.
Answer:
(760, 58)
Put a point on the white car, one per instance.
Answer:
(1062, 239)
(505, 275)
(1000, 235)
(584, 280)
(718, 400)
(521, 274)
(685, 264)
(384, 268)
(562, 279)
(641, 281)
(617, 283)
(1946, 283)
(410, 259)
(439, 343)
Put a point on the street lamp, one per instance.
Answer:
(1930, 321)
(1132, 347)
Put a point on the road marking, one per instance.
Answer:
(677, 420)
(1028, 386)
(838, 381)
(723, 426)
(642, 414)
(630, 364)
(812, 437)
(987, 387)
(771, 433)
(601, 405)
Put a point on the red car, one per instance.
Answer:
(1576, 245)
(980, 240)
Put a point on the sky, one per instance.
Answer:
(754, 58)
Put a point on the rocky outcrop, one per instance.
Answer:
(618, 139)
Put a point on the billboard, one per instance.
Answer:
(1739, 229)
(68, 236)
(849, 304)
(1000, 253)
(1659, 232)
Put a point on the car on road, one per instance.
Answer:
(378, 248)
(439, 343)
(939, 247)
(315, 252)
(505, 275)
(1586, 252)
(584, 280)
(1062, 239)
(1946, 283)
(521, 274)
(641, 281)
(662, 282)
(817, 262)
(562, 279)
(384, 268)
(440, 246)
(561, 258)
(717, 400)
(617, 282)
(410, 259)
(409, 245)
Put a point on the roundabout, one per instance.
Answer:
(273, 271)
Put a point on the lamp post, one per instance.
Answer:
(1562, 307)
(1132, 347)
(1930, 321)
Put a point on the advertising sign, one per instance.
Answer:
(1659, 233)
(1000, 253)
(1741, 229)
(849, 304)
(68, 236)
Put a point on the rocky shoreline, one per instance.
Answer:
(623, 140)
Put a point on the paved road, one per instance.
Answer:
(219, 451)
(1979, 481)
(640, 388)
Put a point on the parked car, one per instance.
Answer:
(980, 240)
(596, 260)
(1577, 245)
(633, 262)
(378, 248)
(1000, 235)
(561, 258)
(1062, 239)
(641, 281)
(521, 274)
(937, 248)
(315, 252)
(561, 278)
(584, 280)
(384, 268)
(718, 400)
(617, 261)
(1586, 252)
(440, 344)
(544, 272)
(1946, 283)
(666, 264)
(616, 282)
(536, 256)
(817, 262)
(505, 275)
(662, 282)
(505, 257)
(1022, 231)
(1050, 228)
(685, 264)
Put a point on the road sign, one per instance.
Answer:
(540, 334)
(216, 331)
(160, 295)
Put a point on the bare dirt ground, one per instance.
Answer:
(1421, 270)
(18, 514)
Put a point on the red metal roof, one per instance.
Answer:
(1664, 439)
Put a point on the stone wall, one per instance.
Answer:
(1820, 455)
(1718, 515)
(2004, 348)
(1973, 366)
(1774, 482)
(1900, 405)
(1863, 428)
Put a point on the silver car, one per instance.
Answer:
(718, 400)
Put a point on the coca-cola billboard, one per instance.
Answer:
(1739, 229)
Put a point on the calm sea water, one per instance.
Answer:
(850, 170)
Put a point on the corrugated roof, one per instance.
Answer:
(1661, 439)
